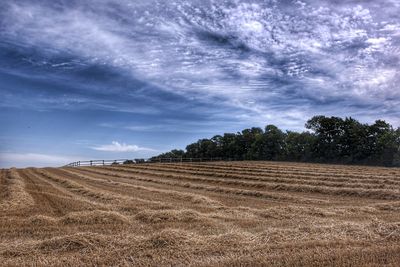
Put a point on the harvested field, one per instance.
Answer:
(201, 214)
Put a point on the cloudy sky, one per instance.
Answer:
(95, 79)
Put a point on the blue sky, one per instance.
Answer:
(126, 79)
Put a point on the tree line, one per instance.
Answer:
(326, 140)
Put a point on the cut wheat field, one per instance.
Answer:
(201, 214)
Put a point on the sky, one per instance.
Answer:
(108, 79)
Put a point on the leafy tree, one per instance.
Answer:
(274, 143)
(230, 145)
(299, 146)
(329, 132)
(332, 139)
(383, 143)
(353, 141)
(249, 137)
(175, 153)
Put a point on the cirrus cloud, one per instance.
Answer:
(247, 54)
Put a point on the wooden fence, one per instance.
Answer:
(99, 162)
(103, 162)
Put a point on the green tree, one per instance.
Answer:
(249, 137)
(273, 143)
(299, 146)
(329, 132)
(331, 139)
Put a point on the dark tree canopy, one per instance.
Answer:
(329, 140)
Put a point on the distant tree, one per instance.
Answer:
(383, 143)
(299, 146)
(218, 148)
(231, 147)
(331, 139)
(249, 138)
(329, 132)
(353, 141)
(396, 156)
(175, 153)
(273, 143)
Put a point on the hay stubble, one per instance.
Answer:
(202, 214)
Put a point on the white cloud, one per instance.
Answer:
(212, 49)
(120, 147)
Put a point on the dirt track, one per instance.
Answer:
(202, 214)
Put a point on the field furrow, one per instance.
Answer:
(305, 169)
(200, 214)
(139, 189)
(77, 188)
(4, 190)
(266, 185)
(17, 198)
(176, 181)
(50, 199)
(289, 179)
(311, 174)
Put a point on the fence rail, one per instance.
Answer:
(96, 162)
(104, 162)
